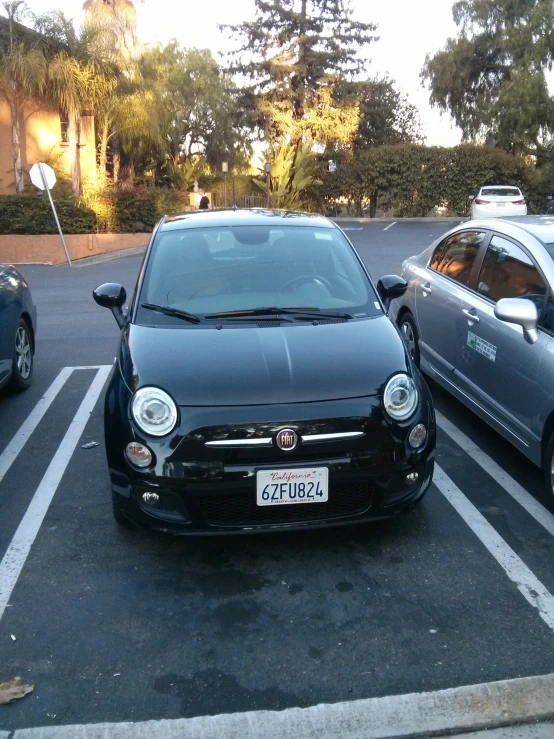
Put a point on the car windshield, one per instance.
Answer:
(511, 192)
(205, 271)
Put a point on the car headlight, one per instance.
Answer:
(154, 411)
(400, 397)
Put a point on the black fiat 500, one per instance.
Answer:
(259, 383)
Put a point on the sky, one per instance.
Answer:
(408, 30)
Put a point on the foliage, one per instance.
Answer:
(492, 79)
(293, 171)
(412, 180)
(136, 209)
(195, 106)
(33, 215)
(294, 53)
(386, 115)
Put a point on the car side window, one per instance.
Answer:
(508, 272)
(456, 255)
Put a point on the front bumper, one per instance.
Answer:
(206, 489)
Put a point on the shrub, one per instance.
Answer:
(33, 215)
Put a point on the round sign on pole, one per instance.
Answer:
(36, 176)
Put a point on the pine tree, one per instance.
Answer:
(294, 54)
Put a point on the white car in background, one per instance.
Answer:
(498, 201)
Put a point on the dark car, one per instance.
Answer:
(259, 383)
(18, 322)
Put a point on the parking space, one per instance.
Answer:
(115, 625)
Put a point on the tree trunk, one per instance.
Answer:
(16, 148)
(74, 154)
(116, 159)
(103, 154)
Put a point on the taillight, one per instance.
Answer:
(482, 202)
(518, 202)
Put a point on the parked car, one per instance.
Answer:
(478, 317)
(18, 324)
(259, 383)
(498, 201)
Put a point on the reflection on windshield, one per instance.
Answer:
(217, 270)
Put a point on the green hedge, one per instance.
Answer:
(33, 215)
(411, 180)
(129, 211)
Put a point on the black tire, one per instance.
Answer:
(548, 471)
(408, 329)
(119, 517)
(23, 358)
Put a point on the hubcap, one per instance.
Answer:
(409, 338)
(23, 352)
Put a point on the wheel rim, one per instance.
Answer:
(552, 474)
(23, 353)
(409, 338)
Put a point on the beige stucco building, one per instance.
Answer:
(43, 139)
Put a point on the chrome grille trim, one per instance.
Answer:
(314, 438)
(230, 443)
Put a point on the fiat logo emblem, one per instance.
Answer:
(287, 440)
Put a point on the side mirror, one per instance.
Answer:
(471, 197)
(522, 312)
(390, 287)
(549, 197)
(113, 296)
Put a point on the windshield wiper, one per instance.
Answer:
(175, 312)
(299, 313)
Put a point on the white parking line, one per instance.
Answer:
(390, 225)
(528, 585)
(10, 453)
(513, 488)
(18, 550)
(412, 715)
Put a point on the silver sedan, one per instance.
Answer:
(478, 317)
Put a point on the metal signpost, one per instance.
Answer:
(268, 183)
(44, 177)
(225, 169)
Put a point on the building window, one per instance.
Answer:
(64, 128)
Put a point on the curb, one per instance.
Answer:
(108, 257)
(505, 703)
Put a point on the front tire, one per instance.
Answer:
(408, 329)
(23, 361)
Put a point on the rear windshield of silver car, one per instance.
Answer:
(233, 268)
(511, 192)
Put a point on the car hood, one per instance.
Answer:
(260, 366)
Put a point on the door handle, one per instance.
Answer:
(426, 288)
(471, 315)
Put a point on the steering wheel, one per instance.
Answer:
(291, 285)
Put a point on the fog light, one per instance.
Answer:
(417, 436)
(138, 454)
(412, 477)
(150, 498)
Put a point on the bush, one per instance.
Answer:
(33, 215)
(412, 180)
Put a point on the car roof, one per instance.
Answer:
(246, 217)
(501, 187)
(541, 227)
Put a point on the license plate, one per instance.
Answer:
(285, 487)
(500, 205)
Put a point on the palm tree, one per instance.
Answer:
(22, 76)
(81, 72)
(121, 17)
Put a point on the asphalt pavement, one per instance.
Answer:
(115, 625)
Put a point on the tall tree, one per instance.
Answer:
(294, 53)
(22, 75)
(492, 77)
(80, 73)
(196, 106)
(121, 17)
(386, 115)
